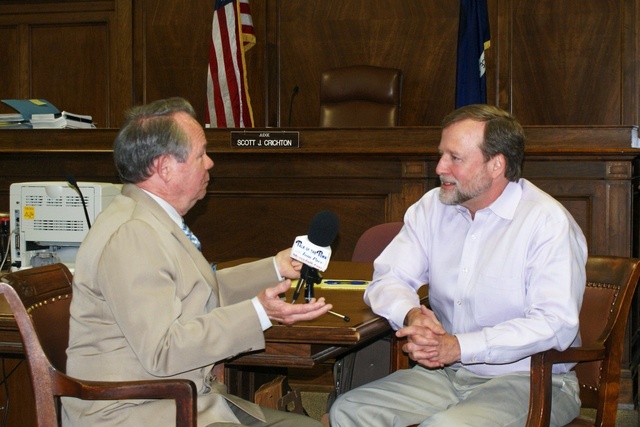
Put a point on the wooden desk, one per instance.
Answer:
(306, 344)
(303, 345)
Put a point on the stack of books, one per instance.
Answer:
(41, 114)
(14, 121)
(78, 121)
(48, 121)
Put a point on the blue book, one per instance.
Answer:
(28, 107)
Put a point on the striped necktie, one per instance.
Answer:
(191, 236)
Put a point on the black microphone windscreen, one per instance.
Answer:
(323, 228)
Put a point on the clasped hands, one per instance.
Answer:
(281, 311)
(428, 343)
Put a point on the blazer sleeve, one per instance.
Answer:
(245, 281)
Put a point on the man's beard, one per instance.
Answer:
(459, 195)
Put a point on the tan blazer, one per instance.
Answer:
(146, 304)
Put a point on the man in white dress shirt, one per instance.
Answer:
(505, 265)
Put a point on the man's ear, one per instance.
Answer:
(498, 165)
(163, 167)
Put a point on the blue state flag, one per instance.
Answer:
(473, 40)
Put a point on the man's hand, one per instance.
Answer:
(286, 313)
(287, 266)
(427, 341)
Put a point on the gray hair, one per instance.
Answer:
(502, 135)
(148, 132)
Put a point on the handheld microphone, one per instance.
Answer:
(294, 92)
(314, 252)
(72, 182)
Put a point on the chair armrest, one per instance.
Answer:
(589, 353)
(541, 369)
(181, 390)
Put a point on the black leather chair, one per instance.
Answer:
(360, 96)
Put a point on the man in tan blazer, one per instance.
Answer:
(147, 305)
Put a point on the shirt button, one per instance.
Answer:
(459, 302)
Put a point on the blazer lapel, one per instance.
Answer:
(143, 199)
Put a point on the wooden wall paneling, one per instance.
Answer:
(77, 55)
(59, 77)
(173, 54)
(553, 63)
(415, 36)
(256, 200)
(260, 72)
(18, 397)
(585, 199)
(631, 63)
(10, 70)
(588, 190)
(120, 61)
(271, 78)
(417, 178)
(567, 63)
(176, 40)
(500, 52)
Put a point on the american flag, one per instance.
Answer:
(232, 34)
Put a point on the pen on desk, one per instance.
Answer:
(345, 282)
(343, 317)
(296, 293)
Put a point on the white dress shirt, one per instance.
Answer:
(508, 283)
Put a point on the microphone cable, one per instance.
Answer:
(72, 182)
(294, 92)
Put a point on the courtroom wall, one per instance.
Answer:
(552, 63)
(570, 62)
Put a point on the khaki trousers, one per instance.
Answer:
(274, 418)
(450, 398)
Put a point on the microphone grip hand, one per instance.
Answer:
(288, 267)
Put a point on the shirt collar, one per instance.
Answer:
(506, 204)
(170, 210)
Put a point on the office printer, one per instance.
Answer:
(48, 220)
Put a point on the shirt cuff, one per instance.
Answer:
(278, 275)
(472, 348)
(265, 322)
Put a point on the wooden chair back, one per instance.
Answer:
(611, 283)
(360, 96)
(46, 294)
(50, 383)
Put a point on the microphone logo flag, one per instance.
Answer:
(310, 254)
